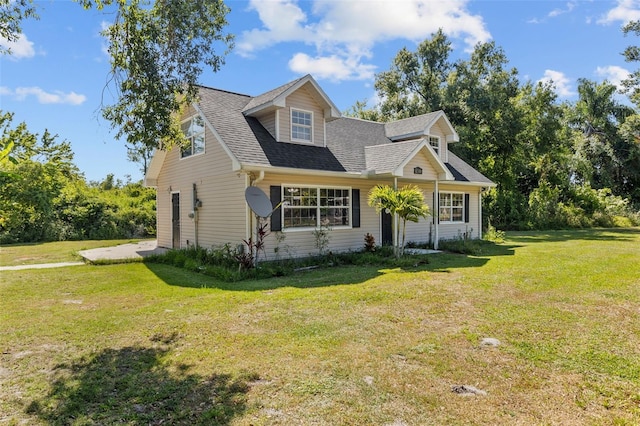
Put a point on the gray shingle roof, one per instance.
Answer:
(388, 157)
(411, 125)
(270, 95)
(353, 145)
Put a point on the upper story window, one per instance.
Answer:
(193, 130)
(312, 207)
(434, 141)
(301, 126)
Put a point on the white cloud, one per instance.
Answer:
(20, 48)
(560, 81)
(569, 7)
(614, 74)
(331, 67)
(625, 11)
(345, 32)
(43, 97)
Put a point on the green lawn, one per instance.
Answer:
(144, 344)
(65, 251)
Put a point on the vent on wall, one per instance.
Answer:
(417, 170)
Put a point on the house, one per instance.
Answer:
(293, 143)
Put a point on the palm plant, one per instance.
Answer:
(407, 203)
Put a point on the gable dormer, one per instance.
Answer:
(433, 127)
(295, 112)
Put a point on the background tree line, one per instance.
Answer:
(556, 164)
(44, 196)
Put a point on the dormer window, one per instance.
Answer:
(301, 130)
(193, 130)
(434, 141)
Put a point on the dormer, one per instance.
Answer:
(433, 127)
(295, 112)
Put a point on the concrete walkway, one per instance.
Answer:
(115, 253)
(123, 251)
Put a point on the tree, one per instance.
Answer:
(414, 84)
(140, 154)
(407, 203)
(157, 52)
(12, 13)
(600, 151)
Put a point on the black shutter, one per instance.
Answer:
(355, 208)
(276, 216)
(466, 208)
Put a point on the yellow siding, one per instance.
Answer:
(455, 230)
(437, 130)
(302, 99)
(222, 217)
(420, 160)
(269, 122)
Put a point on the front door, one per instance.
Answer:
(387, 228)
(175, 220)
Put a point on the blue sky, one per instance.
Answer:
(56, 77)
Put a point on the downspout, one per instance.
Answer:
(436, 201)
(196, 204)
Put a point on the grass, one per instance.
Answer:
(54, 252)
(354, 345)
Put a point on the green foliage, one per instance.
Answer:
(45, 198)
(12, 12)
(407, 202)
(539, 152)
(157, 53)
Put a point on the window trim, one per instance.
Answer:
(191, 139)
(291, 124)
(438, 148)
(451, 207)
(318, 188)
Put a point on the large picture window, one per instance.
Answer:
(193, 130)
(301, 125)
(312, 207)
(451, 207)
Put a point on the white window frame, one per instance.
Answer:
(318, 207)
(431, 139)
(450, 207)
(191, 138)
(305, 126)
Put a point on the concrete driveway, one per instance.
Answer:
(123, 251)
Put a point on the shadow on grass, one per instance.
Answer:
(132, 386)
(332, 276)
(593, 234)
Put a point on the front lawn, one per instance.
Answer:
(355, 345)
(52, 252)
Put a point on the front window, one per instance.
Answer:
(311, 207)
(301, 122)
(451, 207)
(193, 130)
(434, 141)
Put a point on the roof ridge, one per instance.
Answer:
(223, 90)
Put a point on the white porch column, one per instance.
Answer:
(436, 201)
(395, 218)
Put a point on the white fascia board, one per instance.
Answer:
(151, 178)
(431, 153)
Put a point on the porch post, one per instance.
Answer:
(395, 218)
(436, 202)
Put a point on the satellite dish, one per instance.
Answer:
(258, 201)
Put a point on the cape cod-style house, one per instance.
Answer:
(316, 165)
